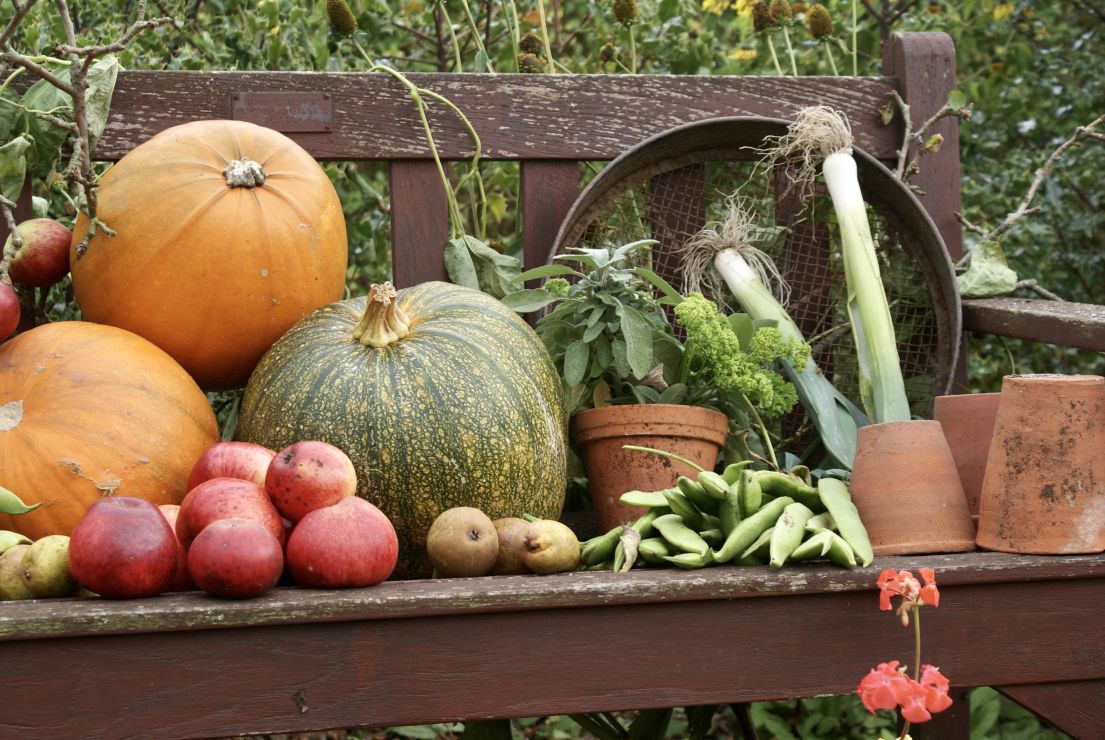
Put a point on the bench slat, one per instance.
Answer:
(517, 116)
(404, 599)
(548, 188)
(603, 656)
(419, 222)
(1063, 323)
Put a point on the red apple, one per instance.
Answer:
(309, 475)
(181, 581)
(123, 548)
(243, 460)
(9, 311)
(43, 259)
(224, 498)
(235, 558)
(349, 544)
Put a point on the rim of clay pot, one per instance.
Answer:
(1053, 377)
(883, 426)
(650, 420)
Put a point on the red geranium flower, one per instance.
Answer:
(936, 689)
(880, 688)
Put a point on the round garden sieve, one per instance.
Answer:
(672, 185)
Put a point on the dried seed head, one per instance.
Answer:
(819, 21)
(608, 52)
(625, 11)
(531, 44)
(342, 20)
(530, 63)
(761, 17)
(781, 10)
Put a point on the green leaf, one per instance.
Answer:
(40, 207)
(743, 327)
(48, 138)
(13, 166)
(673, 394)
(543, 271)
(593, 331)
(531, 299)
(668, 9)
(957, 99)
(101, 84)
(481, 61)
(12, 504)
(637, 330)
(621, 362)
(985, 707)
(988, 274)
(575, 362)
(459, 264)
(657, 282)
(496, 206)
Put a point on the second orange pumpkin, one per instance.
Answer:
(227, 233)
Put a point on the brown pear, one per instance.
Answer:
(11, 574)
(550, 547)
(461, 543)
(512, 544)
(46, 568)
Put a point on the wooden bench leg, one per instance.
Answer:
(1075, 707)
(954, 723)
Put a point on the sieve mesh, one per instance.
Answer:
(672, 186)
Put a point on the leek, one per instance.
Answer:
(725, 254)
(821, 134)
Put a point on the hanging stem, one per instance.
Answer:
(510, 11)
(664, 453)
(452, 37)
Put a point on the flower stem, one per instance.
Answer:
(763, 431)
(855, 35)
(790, 52)
(632, 49)
(916, 658)
(774, 56)
(545, 33)
(476, 35)
(832, 62)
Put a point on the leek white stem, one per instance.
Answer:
(834, 416)
(882, 388)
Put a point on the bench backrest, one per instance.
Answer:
(548, 123)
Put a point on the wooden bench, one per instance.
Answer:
(427, 651)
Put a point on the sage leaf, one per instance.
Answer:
(530, 299)
(575, 362)
(637, 330)
(459, 264)
(101, 84)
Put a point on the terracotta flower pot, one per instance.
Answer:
(906, 487)
(1044, 488)
(693, 432)
(968, 423)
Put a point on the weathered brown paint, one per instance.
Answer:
(1055, 322)
(413, 652)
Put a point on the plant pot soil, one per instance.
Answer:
(693, 432)
(1044, 488)
(968, 423)
(907, 489)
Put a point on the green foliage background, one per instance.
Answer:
(1031, 70)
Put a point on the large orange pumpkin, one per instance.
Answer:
(88, 411)
(227, 233)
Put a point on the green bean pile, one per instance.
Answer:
(748, 517)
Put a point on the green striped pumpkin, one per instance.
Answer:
(466, 409)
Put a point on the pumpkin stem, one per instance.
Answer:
(383, 321)
(244, 173)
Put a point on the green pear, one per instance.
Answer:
(512, 544)
(550, 547)
(11, 575)
(462, 542)
(9, 539)
(46, 568)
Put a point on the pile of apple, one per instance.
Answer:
(250, 515)
(41, 261)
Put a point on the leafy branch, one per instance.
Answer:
(914, 140)
(988, 274)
